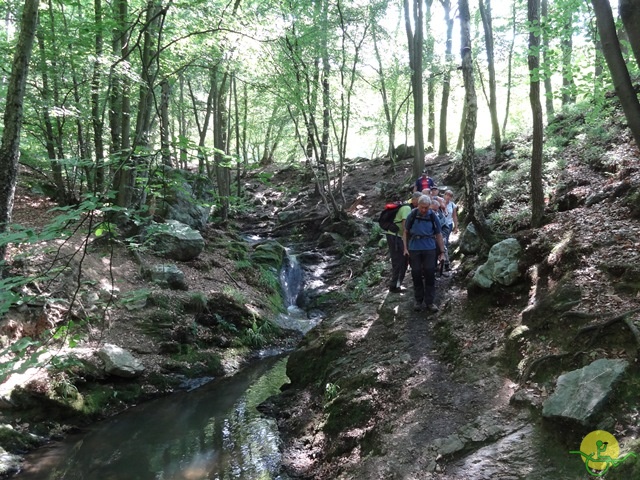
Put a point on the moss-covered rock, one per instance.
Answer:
(310, 363)
(269, 254)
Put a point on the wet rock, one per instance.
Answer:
(119, 362)
(9, 464)
(581, 393)
(269, 254)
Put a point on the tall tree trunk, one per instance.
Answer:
(472, 204)
(630, 15)
(222, 173)
(568, 82)
(510, 65)
(414, 41)
(443, 145)
(50, 138)
(165, 144)
(120, 115)
(485, 13)
(13, 114)
(546, 67)
(431, 82)
(182, 126)
(96, 117)
(390, 124)
(537, 193)
(617, 66)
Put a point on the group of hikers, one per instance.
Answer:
(421, 241)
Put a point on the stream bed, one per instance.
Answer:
(213, 432)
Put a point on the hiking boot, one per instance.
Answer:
(433, 308)
(397, 289)
(418, 305)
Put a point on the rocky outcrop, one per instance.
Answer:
(470, 241)
(580, 394)
(167, 276)
(175, 240)
(501, 267)
(119, 362)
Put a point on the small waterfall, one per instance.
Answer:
(292, 283)
(291, 280)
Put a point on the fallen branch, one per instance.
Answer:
(231, 277)
(298, 220)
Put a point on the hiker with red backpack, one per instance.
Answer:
(424, 246)
(392, 221)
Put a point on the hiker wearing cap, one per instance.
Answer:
(423, 182)
(424, 246)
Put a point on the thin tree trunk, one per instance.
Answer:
(485, 13)
(510, 66)
(96, 118)
(414, 42)
(537, 194)
(617, 66)
(50, 138)
(475, 214)
(13, 114)
(630, 15)
(568, 82)
(546, 67)
(443, 145)
(165, 144)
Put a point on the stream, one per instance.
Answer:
(210, 432)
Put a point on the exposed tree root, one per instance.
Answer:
(595, 330)
(598, 328)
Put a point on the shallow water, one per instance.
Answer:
(213, 432)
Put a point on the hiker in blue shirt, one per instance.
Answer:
(424, 245)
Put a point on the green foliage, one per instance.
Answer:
(237, 295)
(198, 363)
(331, 391)
(71, 333)
(197, 302)
(258, 335)
(372, 276)
(224, 324)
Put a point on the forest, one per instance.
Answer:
(122, 119)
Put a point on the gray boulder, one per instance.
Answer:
(470, 242)
(167, 276)
(501, 267)
(175, 240)
(119, 362)
(581, 393)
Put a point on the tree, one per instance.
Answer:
(475, 214)
(414, 42)
(10, 146)
(548, 89)
(537, 193)
(443, 146)
(617, 66)
(630, 15)
(485, 13)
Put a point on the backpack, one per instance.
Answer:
(414, 215)
(388, 215)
